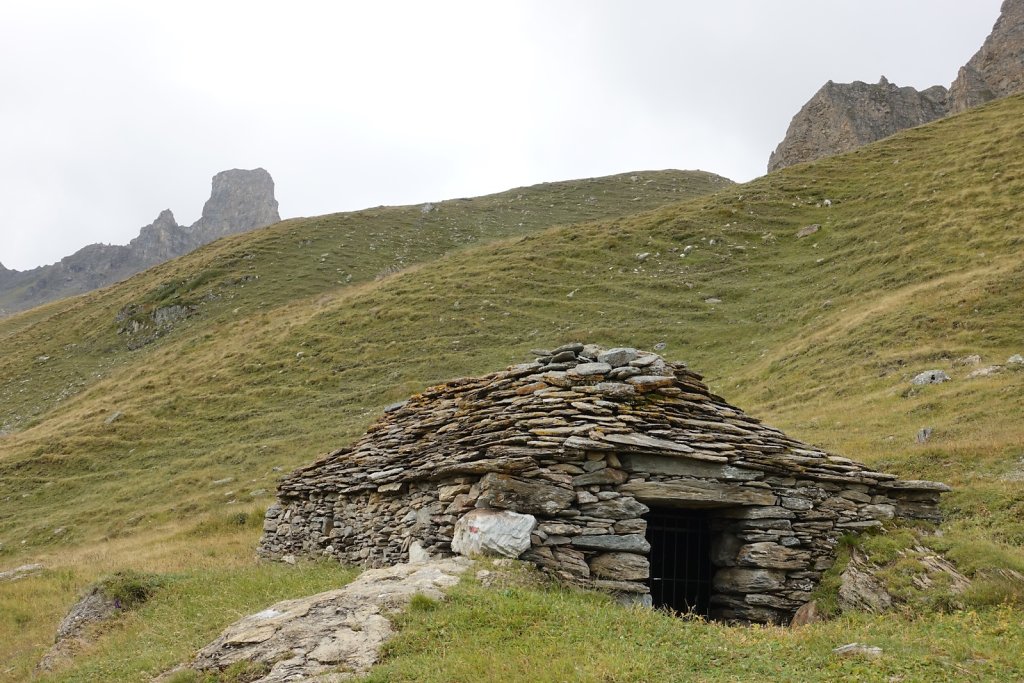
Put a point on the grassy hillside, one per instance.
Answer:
(918, 262)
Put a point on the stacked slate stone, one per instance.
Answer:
(580, 444)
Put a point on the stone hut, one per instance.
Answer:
(611, 469)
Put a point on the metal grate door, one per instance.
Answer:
(681, 569)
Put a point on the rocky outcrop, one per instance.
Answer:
(330, 636)
(843, 116)
(73, 633)
(997, 69)
(240, 200)
(593, 451)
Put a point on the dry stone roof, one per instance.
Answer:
(574, 399)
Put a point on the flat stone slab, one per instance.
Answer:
(696, 492)
(316, 637)
(627, 543)
(687, 467)
(20, 572)
(916, 485)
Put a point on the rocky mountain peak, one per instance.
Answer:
(997, 69)
(843, 116)
(161, 240)
(240, 200)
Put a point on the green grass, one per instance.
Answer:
(918, 262)
(533, 634)
(190, 607)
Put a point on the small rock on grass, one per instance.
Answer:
(985, 372)
(930, 377)
(807, 614)
(858, 650)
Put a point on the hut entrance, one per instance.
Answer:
(681, 569)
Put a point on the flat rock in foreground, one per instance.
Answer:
(330, 636)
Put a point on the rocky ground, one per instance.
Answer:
(330, 636)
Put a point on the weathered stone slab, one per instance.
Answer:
(618, 357)
(20, 572)
(524, 495)
(695, 493)
(623, 507)
(652, 443)
(628, 543)
(493, 532)
(621, 586)
(562, 561)
(579, 443)
(645, 383)
(607, 475)
(589, 370)
(741, 580)
(615, 389)
(686, 467)
(484, 466)
(915, 485)
(767, 512)
(772, 556)
(621, 566)
(860, 590)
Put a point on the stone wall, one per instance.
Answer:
(586, 457)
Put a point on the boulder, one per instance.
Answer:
(493, 532)
(930, 377)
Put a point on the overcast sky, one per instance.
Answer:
(112, 111)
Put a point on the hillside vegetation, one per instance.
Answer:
(918, 261)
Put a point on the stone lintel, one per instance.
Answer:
(685, 467)
(686, 493)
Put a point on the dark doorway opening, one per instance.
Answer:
(681, 569)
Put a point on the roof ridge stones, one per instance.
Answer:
(585, 441)
(600, 397)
